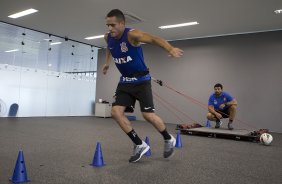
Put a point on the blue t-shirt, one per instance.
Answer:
(128, 58)
(216, 101)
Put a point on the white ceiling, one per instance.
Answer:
(79, 19)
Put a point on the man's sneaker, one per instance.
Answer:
(134, 147)
(230, 127)
(217, 124)
(168, 147)
(139, 151)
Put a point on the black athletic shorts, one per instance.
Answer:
(224, 113)
(128, 93)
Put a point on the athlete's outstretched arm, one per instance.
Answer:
(108, 57)
(137, 36)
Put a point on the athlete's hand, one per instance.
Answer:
(105, 69)
(219, 116)
(222, 106)
(176, 52)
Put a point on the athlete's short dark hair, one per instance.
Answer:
(218, 85)
(116, 13)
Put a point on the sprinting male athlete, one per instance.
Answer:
(123, 45)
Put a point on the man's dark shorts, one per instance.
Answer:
(128, 93)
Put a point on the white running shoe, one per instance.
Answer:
(169, 147)
(139, 151)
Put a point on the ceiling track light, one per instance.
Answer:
(23, 13)
(94, 37)
(278, 11)
(179, 25)
(14, 50)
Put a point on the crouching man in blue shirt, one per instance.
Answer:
(221, 105)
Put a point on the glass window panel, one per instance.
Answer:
(42, 81)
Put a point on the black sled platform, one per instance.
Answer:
(241, 134)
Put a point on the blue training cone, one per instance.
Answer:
(208, 124)
(178, 141)
(20, 175)
(98, 160)
(148, 153)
